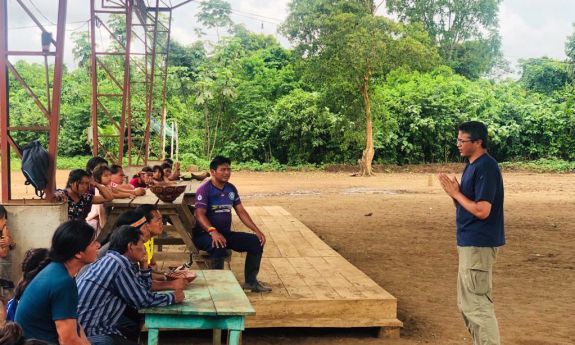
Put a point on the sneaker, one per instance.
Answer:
(256, 287)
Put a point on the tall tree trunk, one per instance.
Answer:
(369, 151)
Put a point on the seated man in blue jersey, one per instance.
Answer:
(115, 282)
(214, 202)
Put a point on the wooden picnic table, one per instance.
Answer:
(178, 211)
(214, 300)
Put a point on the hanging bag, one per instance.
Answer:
(35, 160)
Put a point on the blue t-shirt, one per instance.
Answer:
(481, 181)
(218, 204)
(52, 295)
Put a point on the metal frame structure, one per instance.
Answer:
(148, 26)
(50, 108)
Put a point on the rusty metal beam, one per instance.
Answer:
(28, 53)
(31, 93)
(151, 86)
(56, 96)
(15, 147)
(4, 118)
(94, 75)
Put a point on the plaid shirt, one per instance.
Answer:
(107, 286)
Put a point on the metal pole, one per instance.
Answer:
(177, 144)
(163, 131)
(4, 145)
(56, 94)
(164, 90)
(126, 91)
(172, 146)
(151, 91)
(94, 74)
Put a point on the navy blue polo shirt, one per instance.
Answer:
(481, 181)
(218, 204)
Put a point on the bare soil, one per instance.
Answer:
(399, 229)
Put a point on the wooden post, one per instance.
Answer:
(172, 145)
(217, 337)
(388, 332)
(177, 144)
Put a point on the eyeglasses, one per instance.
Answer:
(461, 142)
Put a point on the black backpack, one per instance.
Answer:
(35, 161)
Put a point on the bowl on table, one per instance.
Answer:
(168, 193)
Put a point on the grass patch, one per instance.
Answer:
(544, 165)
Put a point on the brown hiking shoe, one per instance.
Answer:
(256, 287)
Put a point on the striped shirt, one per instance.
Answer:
(107, 286)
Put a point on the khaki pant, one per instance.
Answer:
(474, 284)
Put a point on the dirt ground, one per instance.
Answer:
(398, 228)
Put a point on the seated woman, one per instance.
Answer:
(97, 216)
(32, 260)
(168, 176)
(48, 308)
(119, 184)
(143, 178)
(158, 174)
(91, 166)
(76, 193)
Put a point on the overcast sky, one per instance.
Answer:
(529, 28)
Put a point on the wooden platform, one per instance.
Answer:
(313, 286)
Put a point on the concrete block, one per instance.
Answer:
(32, 226)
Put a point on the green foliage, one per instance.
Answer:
(214, 14)
(271, 108)
(544, 75)
(466, 32)
(543, 165)
(302, 129)
(426, 109)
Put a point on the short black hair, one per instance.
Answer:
(129, 217)
(147, 169)
(3, 213)
(169, 161)
(122, 237)
(476, 130)
(166, 166)
(115, 168)
(69, 239)
(147, 210)
(94, 162)
(219, 160)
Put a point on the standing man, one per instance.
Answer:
(479, 217)
(214, 202)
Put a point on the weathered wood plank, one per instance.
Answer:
(227, 295)
(304, 248)
(313, 279)
(333, 277)
(286, 248)
(296, 287)
(197, 301)
(313, 286)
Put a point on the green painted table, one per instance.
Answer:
(214, 300)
